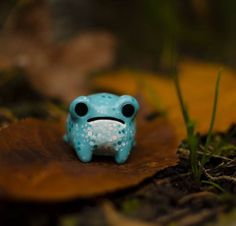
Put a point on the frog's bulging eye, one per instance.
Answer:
(128, 110)
(81, 109)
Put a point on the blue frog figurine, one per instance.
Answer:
(102, 124)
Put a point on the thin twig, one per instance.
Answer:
(223, 177)
(185, 152)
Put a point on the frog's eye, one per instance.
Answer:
(128, 110)
(81, 109)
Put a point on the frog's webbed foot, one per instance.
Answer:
(84, 152)
(123, 154)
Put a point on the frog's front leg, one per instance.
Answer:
(122, 154)
(83, 150)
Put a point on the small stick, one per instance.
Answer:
(224, 177)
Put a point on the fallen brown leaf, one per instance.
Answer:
(36, 164)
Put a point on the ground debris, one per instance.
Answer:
(114, 218)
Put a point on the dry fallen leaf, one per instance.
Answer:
(198, 84)
(37, 165)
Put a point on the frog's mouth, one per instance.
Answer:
(106, 118)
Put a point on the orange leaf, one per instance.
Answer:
(197, 82)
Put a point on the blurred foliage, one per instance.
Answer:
(19, 100)
(203, 28)
(5, 8)
(145, 29)
(228, 219)
(130, 205)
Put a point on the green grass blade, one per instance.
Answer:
(215, 185)
(189, 125)
(181, 102)
(213, 117)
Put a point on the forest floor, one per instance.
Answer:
(172, 197)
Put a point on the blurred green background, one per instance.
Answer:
(145, 29)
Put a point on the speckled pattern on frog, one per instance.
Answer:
(102, 124)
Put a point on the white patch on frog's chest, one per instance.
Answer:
(105, 132)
